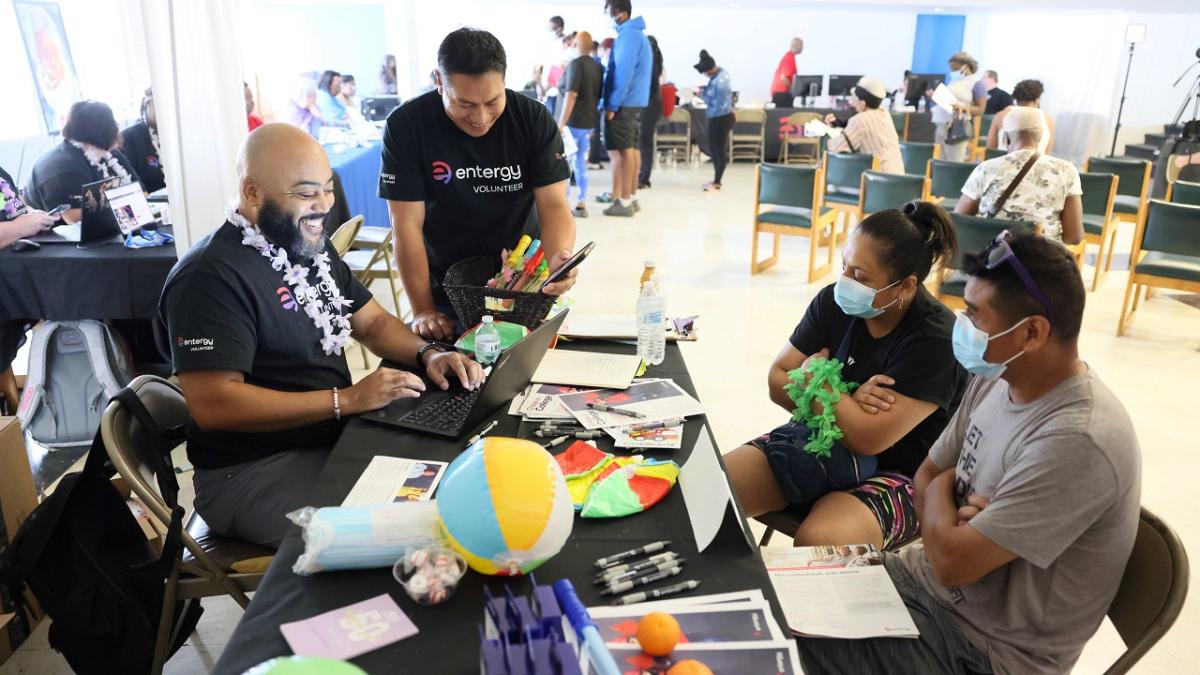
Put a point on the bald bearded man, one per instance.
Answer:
(258, 315)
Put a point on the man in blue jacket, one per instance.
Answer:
(626, 94)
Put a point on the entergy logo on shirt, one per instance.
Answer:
(494, 178)
(195, 344)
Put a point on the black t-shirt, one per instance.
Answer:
(58, 176)
(139, 148)
(585, 77)
(478, 192)
(998, 100)
(917, 354)
(226, 308)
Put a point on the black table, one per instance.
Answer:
(63, 283)
(448, 641)
(920, 127)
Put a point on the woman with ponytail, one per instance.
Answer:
(892, 336)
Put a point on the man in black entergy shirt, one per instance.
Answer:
(257, 314)
(463, 167)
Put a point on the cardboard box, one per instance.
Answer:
(151, 526)
(18, 498)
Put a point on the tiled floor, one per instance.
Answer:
(701, 243)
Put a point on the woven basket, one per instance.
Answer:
(465, 284)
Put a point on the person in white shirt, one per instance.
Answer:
(870, 130)
(1049, 194)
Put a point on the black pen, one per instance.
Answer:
(661, 566)
(642, 596)
(641, 581)
(601, 407)
(609, 573)
(653, 547)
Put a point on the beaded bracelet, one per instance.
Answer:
(825, 385)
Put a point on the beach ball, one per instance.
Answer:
(504, 506)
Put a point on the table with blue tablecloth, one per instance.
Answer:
(357, 173)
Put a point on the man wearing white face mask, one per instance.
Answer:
(1028, 501)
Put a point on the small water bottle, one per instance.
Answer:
(487, 342)
(652, 334)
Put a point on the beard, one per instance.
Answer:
(280, 229)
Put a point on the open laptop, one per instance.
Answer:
(98, 225)
(452, 413)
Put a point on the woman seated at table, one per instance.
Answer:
(302, 110)
(87, 154)
(328, 91)
(870, 130)
(16, 222)
(894, 337)
(140, 144)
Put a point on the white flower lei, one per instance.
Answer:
(326, 314)
(103, 161)
(154, 139)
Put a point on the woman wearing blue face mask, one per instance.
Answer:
(890, 334)
(971, 97)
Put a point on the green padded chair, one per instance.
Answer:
(974, 234)
(993, 153)
(983, 124)
(891, 191)
(1152, 590)
(1183, 192)
(843, 183)
(917, 155)
(900, 121)
(1099, 225)
(946, 180)
(794, 194)
(1166, 254)
(1133, 184)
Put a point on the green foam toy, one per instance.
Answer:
(826, 386)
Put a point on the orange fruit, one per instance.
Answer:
(689, 667)
(658, 633)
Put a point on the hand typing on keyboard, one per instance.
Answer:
(379, 389)
(440, 366)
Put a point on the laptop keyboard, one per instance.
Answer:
(448, 414)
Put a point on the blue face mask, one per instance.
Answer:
(612, 21)
(955, 76)
(970, 344)
(858, 299)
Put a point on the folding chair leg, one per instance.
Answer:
(766, 538)
(391, 272)
(213, 570)
(1137, 294)
(754, 253)
(1126, 315)
(164, 622)
(775, 247)
(1100, 267)
(363, 350)
(1112, 244)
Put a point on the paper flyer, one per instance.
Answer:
(658, 400)
(663, 438)
(395, 479)
(727, 622)
(722, 658)
(350, 631)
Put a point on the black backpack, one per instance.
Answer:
(91, 567)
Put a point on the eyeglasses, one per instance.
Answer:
(999, 252)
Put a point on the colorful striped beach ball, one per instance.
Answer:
(504, 505)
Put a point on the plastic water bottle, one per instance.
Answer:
(652, 334)
(487, 342)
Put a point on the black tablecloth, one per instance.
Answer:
(64, 283)
(920, 127)
(448, 641)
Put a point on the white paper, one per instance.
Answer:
(817, 128)
(655, 401)
(609, 326)
(706, 492)
(637, 611)
(385, 477)
(569, 145)
(824, 596)
(663, 438)
(542, 402)
(943, 98)
(753, 595)
(587, 369)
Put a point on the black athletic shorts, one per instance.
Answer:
(622, 132)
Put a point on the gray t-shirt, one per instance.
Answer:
(1063, 479)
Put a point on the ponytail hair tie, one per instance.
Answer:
(911, 207)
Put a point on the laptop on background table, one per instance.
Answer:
(453, 412)
(111, 210)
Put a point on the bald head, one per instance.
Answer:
(797, 45)
(284, 178)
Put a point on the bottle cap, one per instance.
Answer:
(650, 263)
(487, 318)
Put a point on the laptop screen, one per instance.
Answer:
(129, 206)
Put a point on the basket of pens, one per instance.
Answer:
(507, 287)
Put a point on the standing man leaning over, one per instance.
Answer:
(463, 168)
(258, 315)
(781, 84)
(626, 94)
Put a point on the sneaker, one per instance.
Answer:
(579, 212)
(711, 187)
(636, 206)
(605, 198)
(596, 166)
(619, 209)
(643, 185)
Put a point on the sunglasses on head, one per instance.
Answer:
(998, 253)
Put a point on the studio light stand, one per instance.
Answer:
(1134, 33)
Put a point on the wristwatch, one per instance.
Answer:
(432, 345)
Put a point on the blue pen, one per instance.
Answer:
(532, 250)
(598, 654)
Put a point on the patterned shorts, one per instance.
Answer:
(889, 496)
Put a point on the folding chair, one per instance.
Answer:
(371, 259)
(993, 153)
(798, 210)
(1183, 192)
(843, 184)
(1166, 254)
(1133, 184)
(795, 140)
(974, 234)
(1152, 590)
(881, 191)
(917, 155)
(210, 564)
(946, 180)
(1099, 226)
(669, 141)
(748, 144)
(900, 122)
(343, 237)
